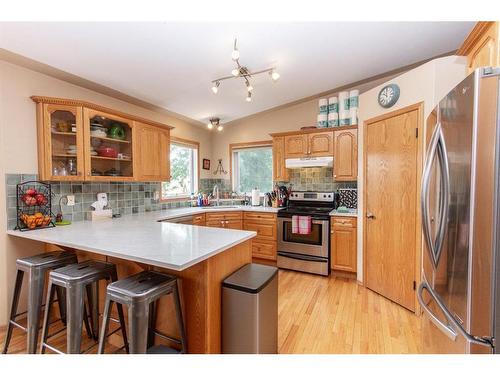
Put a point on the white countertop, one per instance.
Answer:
(353, 212)
(141, 238)
(186, 211)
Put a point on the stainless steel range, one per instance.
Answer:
(306, 252)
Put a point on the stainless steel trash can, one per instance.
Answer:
(250, 310)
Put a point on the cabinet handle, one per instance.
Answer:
(227, 221)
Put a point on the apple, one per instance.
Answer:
(41, 199)
(31, 191)
(29, 200)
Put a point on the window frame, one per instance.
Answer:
(248, 146)
(195, 146)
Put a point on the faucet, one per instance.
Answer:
(215, 194)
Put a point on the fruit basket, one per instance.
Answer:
(34, 206)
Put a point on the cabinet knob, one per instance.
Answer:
(331, 232)
(334, 175)
(369, 215)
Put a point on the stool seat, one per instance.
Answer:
(146, 285)
(49, 260)
(84, 272)
(162, 349)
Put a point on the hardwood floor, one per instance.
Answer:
(322, 315)
(336, 315)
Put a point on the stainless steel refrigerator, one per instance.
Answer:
(460, 289)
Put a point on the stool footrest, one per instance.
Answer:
(52, 348)
(163, 336)
(14, 323)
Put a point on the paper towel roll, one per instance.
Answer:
(354, 99)
(353, 115)
(333, 105)
(343, 101)
(323, 106)
(255, 197)
(333, 120)
(344, 118)
(322, 120)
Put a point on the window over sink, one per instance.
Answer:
(252, 166)
(184, 167)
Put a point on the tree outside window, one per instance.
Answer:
(253, 168)
(183, 172)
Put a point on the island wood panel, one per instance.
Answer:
(200, 295)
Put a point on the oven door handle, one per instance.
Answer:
(309, 258)
(321, 222)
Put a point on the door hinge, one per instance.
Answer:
(416, 132)
(414, 285)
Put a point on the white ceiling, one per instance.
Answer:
(172, 64)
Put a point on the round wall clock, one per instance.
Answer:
(389, 95)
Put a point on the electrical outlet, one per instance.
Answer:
(70, 200)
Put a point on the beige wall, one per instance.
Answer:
(18, 147)
(427, 83)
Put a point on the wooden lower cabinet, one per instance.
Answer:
(343, 248)
(264, 245)
(264, 249)
(229, 220)
(199, 219)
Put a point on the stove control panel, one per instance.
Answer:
(312, 196)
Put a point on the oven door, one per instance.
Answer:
(314, 244)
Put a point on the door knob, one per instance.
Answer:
(369, 215)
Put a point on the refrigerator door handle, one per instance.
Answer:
(445, 328)
(437, 147)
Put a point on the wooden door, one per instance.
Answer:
(153, 153)
(321, 144)
(296, 146)
(345, 161)
(343, 244)
(391, 197)
(280, 173)
(60, 143)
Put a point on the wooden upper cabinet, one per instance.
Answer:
(108, 146)
(321, 144)
(482, 46)
(152, 148)
(280, 173)
(345, 160)
(343, 246)
(296, 146)
(309, 145)
(60, 142)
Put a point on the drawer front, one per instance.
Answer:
(349, 222)
(264, 250)
(259, 216)
(228, 224)
(214, 223)
(224, 216)
(265, 231)
(199, 219)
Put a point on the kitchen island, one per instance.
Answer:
(200, 256)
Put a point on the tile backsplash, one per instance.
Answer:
(315, 179)
(123, 197)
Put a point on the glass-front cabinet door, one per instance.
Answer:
(63, 138)
(108, 146)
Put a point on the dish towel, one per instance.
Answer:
(301, 224)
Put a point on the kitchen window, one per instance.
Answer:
(183, 170)
(252, 166)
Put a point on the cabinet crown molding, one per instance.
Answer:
(476, 33)
(97, 107)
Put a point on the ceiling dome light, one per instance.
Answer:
(249, 97)
(235, 72)
(210, 126)
(220, 127)
(215, 87)
(275, 75)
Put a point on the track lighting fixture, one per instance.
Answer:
(220, 127)
(214, 122)
(243, 72)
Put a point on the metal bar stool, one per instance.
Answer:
(139, 293)
(77, 279)
(36, 267)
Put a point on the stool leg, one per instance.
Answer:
(61, 302)
(35, 297)
(13, 309)
(74, 308)
(105, 324)
(152, 324)
(138, 321)
(93, 298)
(48, 305)
(178, 314)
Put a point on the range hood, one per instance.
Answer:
(324, 161)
